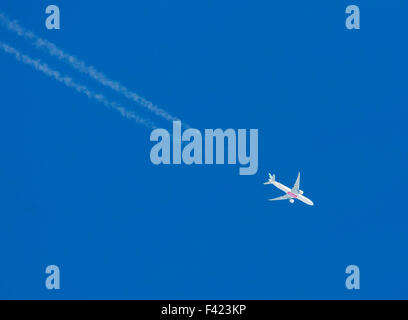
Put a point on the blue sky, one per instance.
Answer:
(77, 188)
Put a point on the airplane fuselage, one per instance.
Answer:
(289, 192)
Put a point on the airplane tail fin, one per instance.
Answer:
(271, 179)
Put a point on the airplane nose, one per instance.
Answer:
(309, 202)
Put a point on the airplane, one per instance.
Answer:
(291, 194)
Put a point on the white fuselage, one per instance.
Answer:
(290, 193)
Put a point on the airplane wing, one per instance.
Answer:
(267, 182)
(297, 183)
(286, 196)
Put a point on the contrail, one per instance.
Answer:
(81, 66)
(44, 68)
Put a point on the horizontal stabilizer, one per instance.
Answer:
(271, 179)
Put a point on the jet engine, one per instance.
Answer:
(291, 200)
(301, 191)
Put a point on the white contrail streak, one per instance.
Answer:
(81, 66)
(44, 68)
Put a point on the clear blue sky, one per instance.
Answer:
(77, 188)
